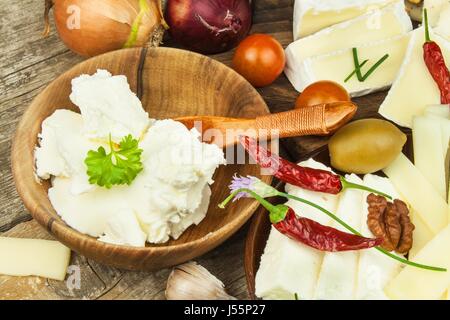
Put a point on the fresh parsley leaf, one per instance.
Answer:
(120, 166)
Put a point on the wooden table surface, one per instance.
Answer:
(28, 62)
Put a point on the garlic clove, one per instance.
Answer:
(191, 281)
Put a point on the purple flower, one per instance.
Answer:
(252, 183)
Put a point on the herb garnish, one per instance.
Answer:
(120, 166)
(357, 70)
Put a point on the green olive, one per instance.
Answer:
(365, 146)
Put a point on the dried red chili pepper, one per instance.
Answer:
(303, 177)
(321, 237)
(434, 59)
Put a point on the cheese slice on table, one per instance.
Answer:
(374, 26)
(33, 257)
(414, 88)
(421, 234)
(428, 152)
(415, 283)
(418, 193)
(337, 279)
(311, 16)
(337, 66)
(288, 267)
(375, 269)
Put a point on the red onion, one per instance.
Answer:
(208, 26)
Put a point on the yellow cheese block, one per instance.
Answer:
(415, 283)
(421, 234)
(33, 257)
(428, 152)
(414, 88)
(418, 192)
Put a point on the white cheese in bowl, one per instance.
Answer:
(170, 194)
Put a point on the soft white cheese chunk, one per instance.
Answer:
(414, 88)
(122, 227)
(337, 279)
(288, 267)
(169, 195)
(108, 106)
(62, 150)
(374, 26)
(337, 66)
(375, 269)
(311, 16)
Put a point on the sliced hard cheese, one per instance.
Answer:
(32, 257)
(288, 267)
(428, 152)
(421, 234)
(375, 269)
(418, 192)
(439, 110)
(435, 8)
(336, 66)
(414, 88)
(311, 16)
(374, 26)
(415, 283)
(337, 275)
(443, 24)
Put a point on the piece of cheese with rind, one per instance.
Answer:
(389, 22)
(311, 16)
(288, 267)
(33, 257)
(414, 88)
(337, 66)
(416, 283)
(375, 269)
(337, 278)
(418, 193)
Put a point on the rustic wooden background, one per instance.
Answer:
(28, 63)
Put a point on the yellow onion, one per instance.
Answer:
(92, 27)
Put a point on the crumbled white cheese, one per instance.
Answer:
(108, 106)
(169, 195)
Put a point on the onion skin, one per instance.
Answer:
(208, 26)
(104, 25)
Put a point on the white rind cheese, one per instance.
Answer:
(375, 269)
(336, 66)
(372, 27)
(414, 88)
(33, 257)
(337, 279)
(311, 16)
(288, 267)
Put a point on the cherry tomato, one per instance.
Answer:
(260, 59)
(322, 92)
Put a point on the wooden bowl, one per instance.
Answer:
(170, 83)
(260, 226)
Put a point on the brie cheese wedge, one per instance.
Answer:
(311, 16)
(337, 279)
(374, 26)
(337, 66)
(288, 267)
(414, 88)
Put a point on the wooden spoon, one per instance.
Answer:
(321, 119)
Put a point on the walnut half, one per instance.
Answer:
(390, 221)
